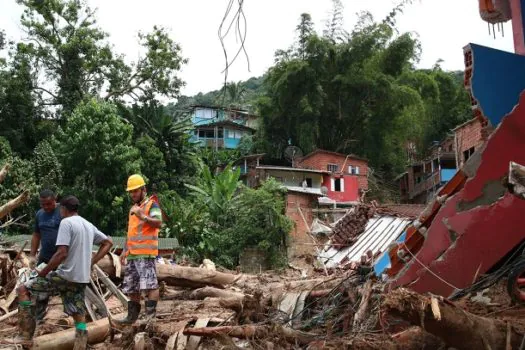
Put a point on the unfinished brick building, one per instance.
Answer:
(423, 178)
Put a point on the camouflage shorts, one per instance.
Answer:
(140, 274)
(72, 293)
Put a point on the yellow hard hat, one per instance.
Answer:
(135, 181)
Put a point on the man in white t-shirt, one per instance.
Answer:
(67, 273)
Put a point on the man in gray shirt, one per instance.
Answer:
(72, 261)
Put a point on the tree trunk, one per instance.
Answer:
(13, 204)
(64, 340)
(458, 328)
(192, 277)
(212, 292)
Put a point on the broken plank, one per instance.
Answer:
(172, 342)
(194, 341)
(111, 286)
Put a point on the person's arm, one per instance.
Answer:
(104, 243)
(56, 260)
(103, 249)
(35, 243)
(35, 240)
(154, 217)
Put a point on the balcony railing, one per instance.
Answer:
(433, 180)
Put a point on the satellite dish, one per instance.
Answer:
(291, 153)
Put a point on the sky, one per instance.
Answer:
(443, 28)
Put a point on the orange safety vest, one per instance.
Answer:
(142, 238)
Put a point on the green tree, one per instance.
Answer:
(217, 192)
(97, 154)
(72, 55)
(171, 133)
(359, 95)
(19, 178)
(18, 115)
(48, 170)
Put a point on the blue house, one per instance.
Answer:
(221, 127)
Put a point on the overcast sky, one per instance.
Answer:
(444, 28)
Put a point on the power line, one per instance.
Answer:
(239, 22)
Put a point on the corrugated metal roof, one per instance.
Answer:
(118, 241)
(380, 231)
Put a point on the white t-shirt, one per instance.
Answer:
(79, 235)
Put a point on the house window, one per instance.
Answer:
(332, 168)
(308, 182)
(338, 185)
(234, 134)
(353, 170)
(468, 153)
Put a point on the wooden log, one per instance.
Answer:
(183, 276)
(13, 204)
(212, 292)
(249, 332)
(457, 327)
(193, 276)
(3, 172)
(64, 340)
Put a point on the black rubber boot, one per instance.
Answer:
(151, 312)
(81, 340)
(133, 314)
(41, 309)
(26, 323)
(151, 309)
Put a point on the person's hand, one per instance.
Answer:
(136, 210)
(41, 273)
(123, 259)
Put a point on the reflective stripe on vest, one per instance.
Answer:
(142, 238)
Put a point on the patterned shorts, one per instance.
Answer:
(72, 293)
(140, 274)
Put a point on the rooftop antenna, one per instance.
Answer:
(291, 153)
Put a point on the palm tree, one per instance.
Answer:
(234, 93)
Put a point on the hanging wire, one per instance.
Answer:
(239, 22)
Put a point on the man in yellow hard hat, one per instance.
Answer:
(141, 250)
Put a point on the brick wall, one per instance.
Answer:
(468, 136)
(320, 161)
(299, 234)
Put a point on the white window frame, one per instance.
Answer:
(333, 166)
(341, 184)
(353, 170)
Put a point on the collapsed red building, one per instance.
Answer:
(474, 219)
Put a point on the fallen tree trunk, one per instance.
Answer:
(212, 292)
(191, 277)
(13, 204)
(248, 332)
(457, 327)
(194, 276)
(64, 340)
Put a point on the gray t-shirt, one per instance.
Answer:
(79, 235)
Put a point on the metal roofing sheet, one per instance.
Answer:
(118, 241)
(380, 231)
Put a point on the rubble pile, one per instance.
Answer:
(204, 308)
(350, 226)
